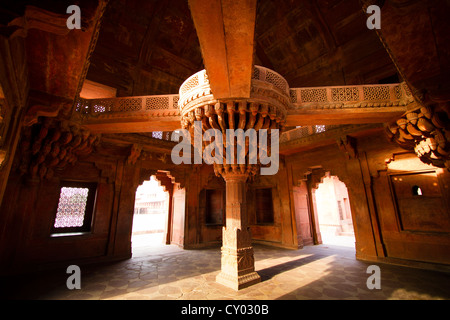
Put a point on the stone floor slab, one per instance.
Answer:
(170, 273)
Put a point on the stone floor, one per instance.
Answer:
(167, 272)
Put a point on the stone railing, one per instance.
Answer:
(197, 85)
(158, 105)
(362, 96)
(272, 77)
(305, 131)
(194, 87)
(270, 95)
(269, 89)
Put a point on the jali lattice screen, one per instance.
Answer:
(71, 207)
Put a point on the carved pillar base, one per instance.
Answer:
(234, 273)
(238, 263)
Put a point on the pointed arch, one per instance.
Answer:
(307, 207)
(168, 180)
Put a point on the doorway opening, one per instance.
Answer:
(150, 219)
(334, 212)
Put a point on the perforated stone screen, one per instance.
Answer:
(71, 207)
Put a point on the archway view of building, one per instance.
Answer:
(144, 89)
(150, 215)
(334, 212)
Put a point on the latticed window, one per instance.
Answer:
(75, 207)
(157, 134)
(320, 128)
(176, 135)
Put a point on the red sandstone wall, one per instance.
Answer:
(302, 214)
(198, 233)
(389, 222)
(30, 212)
(179, 202)
(280, 232)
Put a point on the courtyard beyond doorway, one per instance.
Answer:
(150, 215)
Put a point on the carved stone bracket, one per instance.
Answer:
(425, 131)
(107, 171)
(52, 145)
(135, 153)
(265, 109)
(45, 105)
(348, 145)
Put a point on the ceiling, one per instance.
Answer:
(145, 47)
(320, 43)
(151, 47)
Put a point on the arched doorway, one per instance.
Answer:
(159, 194)
(333, 212)
(151, 209)
(322, 210)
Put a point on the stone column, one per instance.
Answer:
(238, 263)
(265, 109)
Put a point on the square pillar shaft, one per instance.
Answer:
(238, 263)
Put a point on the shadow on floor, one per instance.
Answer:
(316, 272)
(270, 272)
(345, 278)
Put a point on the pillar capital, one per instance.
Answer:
(235, 172)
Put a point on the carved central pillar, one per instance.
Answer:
(266, 109)
(238, 263)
